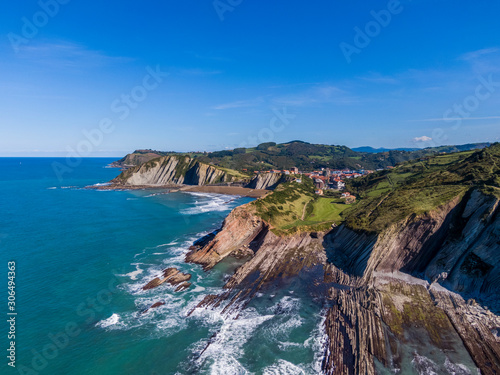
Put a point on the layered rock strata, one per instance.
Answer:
(422, 294)
(171, 275)
(172, 170)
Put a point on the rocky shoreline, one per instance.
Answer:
(397, 300)
(213, 189)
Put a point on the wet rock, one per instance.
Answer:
(239, 229)
(182, 286)
(153, 306)
(171, 275)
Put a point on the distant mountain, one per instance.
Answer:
(372, 150)
(303, 155)
(466, 147)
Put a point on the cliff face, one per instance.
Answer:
(173, 170)
(456, 244)
(134, 159)
(268, 181)
(389, 297)
(399, 299)
(240, 228)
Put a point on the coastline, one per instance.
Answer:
(226, 190)
(229, 190)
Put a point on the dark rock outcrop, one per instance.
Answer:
(171, 275)
(399, 299)
(268, 181)
(240, 228)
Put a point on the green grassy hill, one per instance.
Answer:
(295, 207)
(385, 197)
(300, 154)
(420, 186)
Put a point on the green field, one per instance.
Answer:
(295, 207)
(386, 197)
(420, 186)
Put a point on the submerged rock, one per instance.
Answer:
(153, 306)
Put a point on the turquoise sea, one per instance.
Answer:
(82, 257)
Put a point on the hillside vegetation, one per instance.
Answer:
(295, 207)
(299, 154)
(420, 186)
(415, 187)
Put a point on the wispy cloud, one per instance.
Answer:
(452, 119)
(209, 56)
(324, 94)
(240, 104)
(199, 72)
(63, 54)
(479, 53)
(379, 78)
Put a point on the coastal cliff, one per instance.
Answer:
(268, 181)
(136, 158)
(173, 170)
(429, 276)
(433, 276)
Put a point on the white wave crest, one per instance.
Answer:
(138, 270)
(113, 320)
(227, 347)
(209, 203)
(282, 367)
(423, 365)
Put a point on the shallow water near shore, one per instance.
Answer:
(82, 257)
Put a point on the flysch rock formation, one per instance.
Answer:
(268, 181)
(172, 170)
(171, 275)
(134, 159)
(421, 295)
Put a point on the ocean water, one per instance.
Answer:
(82, 257)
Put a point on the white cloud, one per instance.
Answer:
(199, 72)
(380, 79)
(424, 138)
(453, 119)
(63, 54)
(476, 54)
(322, 94)
(240, 104)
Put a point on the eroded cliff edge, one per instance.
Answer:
(422, 292)
(173, 170)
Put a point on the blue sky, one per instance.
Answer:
(233, 73)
